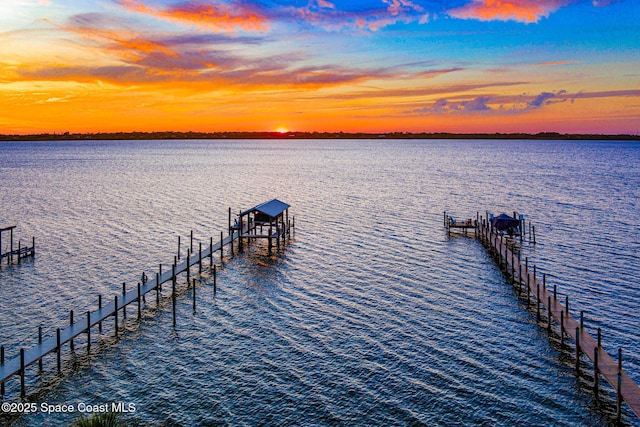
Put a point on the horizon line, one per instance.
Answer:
(183, 135)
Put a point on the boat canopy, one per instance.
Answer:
(505, 222)
(267, 211)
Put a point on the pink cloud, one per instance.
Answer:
(527, 11)
(398, 6)
(217, 17)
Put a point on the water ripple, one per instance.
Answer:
(371, 316)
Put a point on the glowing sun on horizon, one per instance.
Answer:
(282, 129)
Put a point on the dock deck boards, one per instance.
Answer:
(89, 319)
(49, 345)
(607, 366)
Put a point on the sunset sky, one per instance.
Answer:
(320, 65)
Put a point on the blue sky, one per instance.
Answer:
(371, 66)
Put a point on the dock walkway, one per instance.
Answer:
(28, 357)
(603, 363)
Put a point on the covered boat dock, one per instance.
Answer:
(273, 214)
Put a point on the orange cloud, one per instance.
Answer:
(527, 11)
(217, 17)
(123, 43)
(553, 63)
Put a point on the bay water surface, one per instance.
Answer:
(371, 315)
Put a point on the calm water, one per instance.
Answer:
(371, 316)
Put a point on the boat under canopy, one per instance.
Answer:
(504, 222)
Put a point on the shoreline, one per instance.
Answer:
(67, 136)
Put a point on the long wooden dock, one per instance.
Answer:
(603, 364)
(90, 319)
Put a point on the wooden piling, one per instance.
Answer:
(596, 370)
(178, 247)
(619, 387)
(549, 313)
(22, 387)
(214, 279)
(194, 295)
(58, 351)
(40, 343)
(577, 348)
(240, 235)
(173, 292)
(157, 290)
(115, 314)
(139, 303)
(100, 308)
(191, 243)
(561, 328)
(520, 279)
(188, 266)
(88, 332)
(124, 306)
(1, 363)
(538, 302)
(71, 346)
(513, 272)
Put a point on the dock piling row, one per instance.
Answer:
(604, 365)
(76, 327)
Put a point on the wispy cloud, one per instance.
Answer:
(215, 16)
(553, 63)
(204, 61)
(444, 106)
(527, 11)
(458, 90)
(509, 104)
(372, 17)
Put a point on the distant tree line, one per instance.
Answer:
(308, 135)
